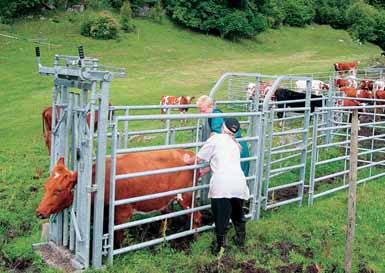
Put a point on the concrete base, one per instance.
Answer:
(57, 257)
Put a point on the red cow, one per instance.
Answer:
(380, 94)
(350, 67)
(349, 81)
(47, 123)
(264, 87)
(351, 103)
(366, 84)
(357, 93)
(58, 188)
(175, 100)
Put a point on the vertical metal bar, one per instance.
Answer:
(75, 145)
(329, 112)
(268, 156)
(314, 156)
(194, 177)
(168, 121)
(304, 141)
(126, 113)
(100, 175)
(53, 228)
(111, 213)
(53, 125)
(255, 151)
(68, 129)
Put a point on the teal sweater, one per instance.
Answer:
(216, 126)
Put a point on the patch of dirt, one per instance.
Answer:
(285, 247)
(362, 268)
(151, 231)
(248, 267)
(56, 257)
(332, 268)
(313, 268)
(17, 265)
(39, 173)
(290, 268)
(33, 189)
(228, 264)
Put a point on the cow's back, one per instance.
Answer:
(139, 186)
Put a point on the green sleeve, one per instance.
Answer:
(216, 125)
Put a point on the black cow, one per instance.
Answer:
(283, 94)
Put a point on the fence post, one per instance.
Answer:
(352, 194)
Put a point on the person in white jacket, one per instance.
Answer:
(228, 188)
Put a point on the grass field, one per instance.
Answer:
(163, 59)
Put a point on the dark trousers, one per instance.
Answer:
(223, 210)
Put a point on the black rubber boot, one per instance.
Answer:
(240, 234)
(221, 243)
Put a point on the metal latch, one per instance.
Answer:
(92, 188)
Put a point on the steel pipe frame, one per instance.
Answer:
(113, 175)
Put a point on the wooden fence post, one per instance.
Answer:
(352, 193)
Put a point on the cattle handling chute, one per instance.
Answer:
(294, 125)
(81, 86)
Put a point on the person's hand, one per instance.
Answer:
(204, 171)
(188, 159)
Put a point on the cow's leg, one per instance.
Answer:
(184, 200)
(123, 213)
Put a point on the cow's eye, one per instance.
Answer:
(58, 191)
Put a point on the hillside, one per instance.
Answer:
(166, 60)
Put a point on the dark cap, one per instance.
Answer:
(232, 124)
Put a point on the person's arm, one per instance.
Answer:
(216, 125)
(190, 159)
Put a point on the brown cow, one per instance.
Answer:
(348, 81)
(350, 103)
(349, 67)
(58, 189)
(357, 93)
(47, 123)
(366, 84)
(380, 94)
(175, 100)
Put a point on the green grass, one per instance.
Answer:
(169, 60)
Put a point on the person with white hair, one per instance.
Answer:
(205, 105)
(228, 188)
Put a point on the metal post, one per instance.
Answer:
(314, 156)
(111, 213)
(100, 175)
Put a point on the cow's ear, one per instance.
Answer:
(60, 161)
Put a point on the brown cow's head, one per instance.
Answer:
(58, 190)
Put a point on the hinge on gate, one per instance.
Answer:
(106, 245)
(92, 188)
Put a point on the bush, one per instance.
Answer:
(333, 12)
(299, 12)
(380, 31)
(117, 4)
(103, 27)
(15, 8)
(156, 13)
(274, 12)
(362, 19)
(218, 17)
(234, 25)
(126, 17)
